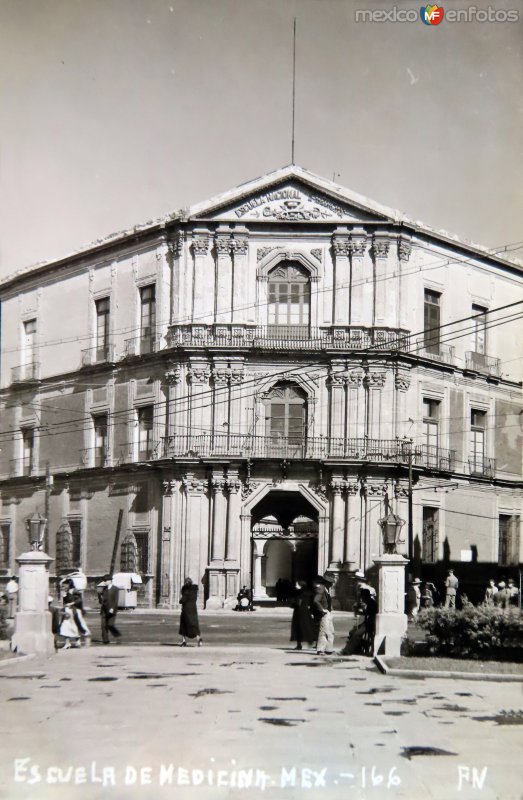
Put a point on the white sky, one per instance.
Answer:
(114, 112)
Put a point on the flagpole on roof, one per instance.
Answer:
(293, 90)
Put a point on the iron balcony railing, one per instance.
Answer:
(141, 346)
(479, 362)
(99, 355)
(25, 372)
(483, 467)
(439, 352)
(318, 448)
(283, 337)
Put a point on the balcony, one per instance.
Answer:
(483, 364)
(99, 355)
(91, 457)
(237, 445)
(482, 467)
(25, 373)
(441, 352)
(285, 337)
(141, 346)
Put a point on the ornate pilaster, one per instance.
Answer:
(203, 286)
(244, 299)
(357, 251)
(404, 248)
(198, 376)
(336, 381)
(172, 379)
(232, 546)
(223, 296)
(382, 287)
(337, 489)
(167, 548)
(218, 517)
(401, 384)
(342, 299)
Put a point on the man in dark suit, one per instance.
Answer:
(108, 597)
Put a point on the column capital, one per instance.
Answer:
(222, 243)
(404, 248)
(193, 485)
(340, 245)
(380, 246)
(168, 487)
(200, 242)
(239, 245)
(172, 375)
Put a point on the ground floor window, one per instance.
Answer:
(508, 547)
(5, 544)
(76, 531)
(430, 534)
(142, 551)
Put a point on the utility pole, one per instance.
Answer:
(48, 485)
(410, 521)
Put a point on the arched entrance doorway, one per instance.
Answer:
(284, 544)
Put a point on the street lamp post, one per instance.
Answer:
(391, 620)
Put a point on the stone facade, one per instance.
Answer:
(243, 386)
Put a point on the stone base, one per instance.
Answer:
(390, 630)
(33, 633)
(214, 603)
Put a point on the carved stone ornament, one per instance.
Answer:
(340, 245)
(400, 491)
(221, 377)
(317, 253)
(200, 245)
(172, 375)
(192, 484)
(376, 379)
(199, 374)
(404, 249)
(337, 379)
(355, 378)
(376, 489)
(249, 488)
(217, 485)
(357, 246)
(320, 490)
(239, 246)
(402, 382)
(263, 251)
(233, 485)
(222, 242)
(381, 247)
(168, 488)
(237, 377)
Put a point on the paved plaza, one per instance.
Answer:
(244, 722)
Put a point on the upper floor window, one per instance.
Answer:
(29, 344)
(479, 320)
(288, 415)
(289, 301)
(101, 441)
(103, 310)
(431, 422)
(145, 433)
(28, 442)
(478, 420)
(147, 318)
(432, 321)
(508, 546)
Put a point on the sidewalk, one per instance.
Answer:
(247, 722)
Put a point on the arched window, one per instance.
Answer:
(289, 301)
(287, 419)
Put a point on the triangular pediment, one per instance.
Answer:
(290, 195)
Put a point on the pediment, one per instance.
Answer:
(291, 195)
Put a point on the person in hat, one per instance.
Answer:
(362, 584)
(490, 592)
(302, 623)
(108, 597)
(321, 609)
(11, 592)
(413, 599)
(451, 589)
(513, 593)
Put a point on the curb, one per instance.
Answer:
(16, 660)
(472, 676)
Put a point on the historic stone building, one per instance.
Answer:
(240, 391)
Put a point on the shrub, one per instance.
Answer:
(481, 631)
(4, 627)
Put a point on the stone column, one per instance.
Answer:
(350, 543)
(374, 381)
(337, 487)
(357, 250)
(404, 251)
(33, 623)
(223, 296)
(246, 565)
(391, 621)
(382, 287)
(355, 406)
(203, 283)
(242, 301)
(221, 426)
(172, 379)
(336, 382)
(340, 246)
(198, 374)
(167, 569)
(401, 385)
(218, 518)
(238, 411)
(195, 553)
(259, 591)
(178, 277)
(232, 544)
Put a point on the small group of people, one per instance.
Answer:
(244, 600)
(69, 620)
(312, 615)
(503, 595)
(284, 590)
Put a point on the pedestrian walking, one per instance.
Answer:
(11, 592)
(490, 592)
(414, 599)
(108, 597)
(321, 608)
(73, 599)
(428, 591)
(302, 623)
(513, 593)
(189, 624)
(502, 596)
(451, 589)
